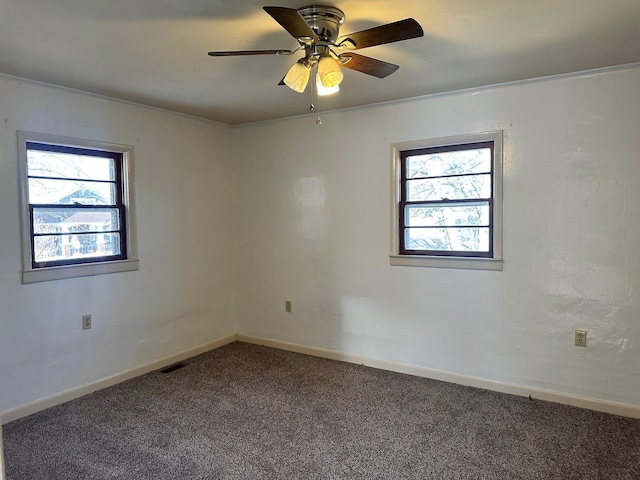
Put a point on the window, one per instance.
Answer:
(76, 207)
(447, 202)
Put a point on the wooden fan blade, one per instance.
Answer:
(250, 52)
(291, 21)
(389, 33)
(367, 65)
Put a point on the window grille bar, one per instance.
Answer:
(446, 201)
(75, 206)
(66, 179)
(455, 175)
(466, 225)
(73, 234)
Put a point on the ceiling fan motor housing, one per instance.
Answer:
(324, 21)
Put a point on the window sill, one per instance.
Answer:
(72, 271)
(494, 264)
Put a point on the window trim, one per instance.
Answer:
(31, 274)
(494, 262)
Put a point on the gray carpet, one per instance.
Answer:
(250, 412)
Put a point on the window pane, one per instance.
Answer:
(449, 163)
(463, 214)
(454, 188)
(55, 248)
(473, 239)
(67, 165)
(64, 220)
(68, 192)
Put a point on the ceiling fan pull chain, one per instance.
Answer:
(312, 107)
(314, 90)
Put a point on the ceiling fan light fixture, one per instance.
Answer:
(298, 75)
(317, 30)
(329, 72)
(324, 91)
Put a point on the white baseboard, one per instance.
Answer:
(62, 397)
(614, 408)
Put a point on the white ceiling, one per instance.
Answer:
(155, 51)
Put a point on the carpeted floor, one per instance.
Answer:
(251, 412)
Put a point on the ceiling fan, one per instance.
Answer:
(317, 29)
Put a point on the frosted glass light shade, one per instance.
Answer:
(297, 77)
(329, 72)
(323, 91)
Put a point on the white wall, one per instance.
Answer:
(312, 210)
(312, 224)
(183, 296)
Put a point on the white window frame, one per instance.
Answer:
(43, 274)
(470, 263)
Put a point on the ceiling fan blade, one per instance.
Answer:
(250, 52)
(367, 65)
(389, 33)
(291, 21)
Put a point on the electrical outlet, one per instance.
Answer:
(287, 306)
(581, 338)
(86, 322)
